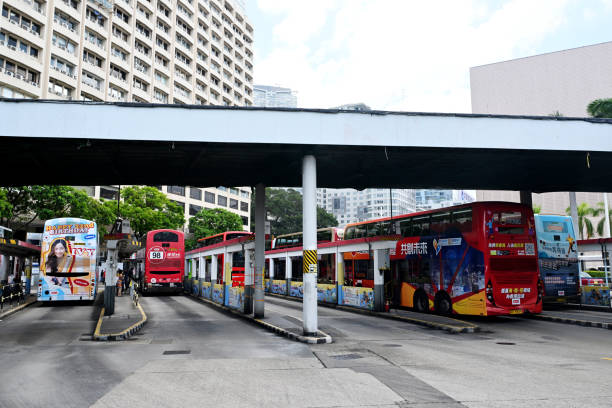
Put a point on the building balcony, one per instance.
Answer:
(119, 82)
(181, 64)
(120, 62)
(64, 76)
(97, 28)
(165, 35)
(186, 83)
(65, 7)
(119, 41)
(142, 73)
(182, 96)
(183, 48)
(63, 52)
(141, 93)
(94, 47)
(37, 13)
(127, 27)
(143, 38)
(91, 87)
(62, 28)
(142, 19)
(127, 5)
(22, 57)
(162, 16)
(94, 69)
(14, 80)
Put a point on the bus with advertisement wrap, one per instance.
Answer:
(473, 259)
(558, 259)
(161, 263)
(68, 260)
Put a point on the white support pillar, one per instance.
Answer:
(213, 269)
(288, 273)
(248, 281)
(111, 277)
(260, 245)
(574, 214)
(309, 220)
(381, 264)
(271, 268)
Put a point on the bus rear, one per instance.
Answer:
(68, 264)
(558, 259)
(512, 282)
(164, 261)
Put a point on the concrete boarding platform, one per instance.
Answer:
(580, 317)
(127, 320)
(292, 328)
(433, 321)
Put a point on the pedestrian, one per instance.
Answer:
(119, 283)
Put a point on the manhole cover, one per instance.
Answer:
(169, 352)
(347, 356)
(505, 343)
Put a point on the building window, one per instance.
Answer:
(244, 206)
(178, 190)
(234, 191)
(195, 193)
(245, 220)
(222, 201)
(233, 204)
(209, 197)
(194, 209)
(108, 193)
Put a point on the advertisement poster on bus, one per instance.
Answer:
(297, 289)
(279, 287)
(327, 293)
(596, 295)
(196, 287)
(69, 251)
(217, 293)
(358, 297)
(267, 284)
(206, 290)
(236, 297)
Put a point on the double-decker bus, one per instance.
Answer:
(161, 263)
(472, 259)
(558, 259)
(296, 239)
(237, 257)
(68, 260)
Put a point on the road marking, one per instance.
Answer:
(606, 358)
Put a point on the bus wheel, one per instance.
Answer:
(443, 303)
(421, 302)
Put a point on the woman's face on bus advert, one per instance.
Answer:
(59, 250)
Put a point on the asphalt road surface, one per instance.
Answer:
(192, 354)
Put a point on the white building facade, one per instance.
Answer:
(274, 97)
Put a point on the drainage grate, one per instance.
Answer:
(169, 352)
(347, 357)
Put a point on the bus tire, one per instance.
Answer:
(420, 302)
(443, 303)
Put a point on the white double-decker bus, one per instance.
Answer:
(68, 260)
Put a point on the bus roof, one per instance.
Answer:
(299, 233)
(226, 232)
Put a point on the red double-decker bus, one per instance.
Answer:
(237, 257)
(472, 259)
(161, 263)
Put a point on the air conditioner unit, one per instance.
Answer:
(12, 47)
(58, 93)
(14, 22)
(18, 76)
(34, 83)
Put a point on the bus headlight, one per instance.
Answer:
(153, 280)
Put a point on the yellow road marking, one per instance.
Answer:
(607, 358)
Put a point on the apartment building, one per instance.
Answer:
(274, 96)
(158, 51)
(154, 51)
(193, 199)
(562, 82)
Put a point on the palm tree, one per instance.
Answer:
(583, 222)
(598, 211)
(600, 108)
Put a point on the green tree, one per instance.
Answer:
(21, 205)
(147, 209)
(284, 211)
(213, 221)
(537, 209)
(600, 210)
(600, 108)
(584, 211)
(556, 114)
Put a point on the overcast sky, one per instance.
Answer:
(408, 55)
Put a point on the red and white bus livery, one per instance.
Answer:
(161, 263)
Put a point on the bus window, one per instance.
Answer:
(440, 222)
(509, 222)
(420, 226)
(324, 236)
(349, 232)
(406, 227)
(360, 231)
(462, 220)
(165, 236)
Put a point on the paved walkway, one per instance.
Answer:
(127, 319)
(581, 317)
(10, 308)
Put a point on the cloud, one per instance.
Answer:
(397, 54)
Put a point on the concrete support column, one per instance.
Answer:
(381, 264)
(111, 277)
(288, 273)
(574, 214)
(260, 247)
(309, 220)
(213, 269)
(248, 281)
(526, 198)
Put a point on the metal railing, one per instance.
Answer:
(11, 293)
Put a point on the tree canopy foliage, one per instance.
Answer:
(284, 211)
(212, 221)
(21, 205)
(600, 108)
(147, 209)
